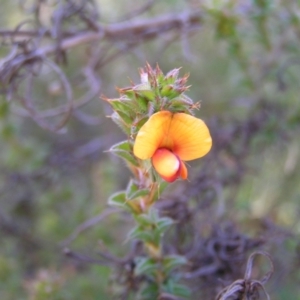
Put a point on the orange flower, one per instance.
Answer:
(169, 139)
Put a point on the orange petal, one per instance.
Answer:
(183, 134)
(152, 134)
(190, 136)
(183, 170)
(166, 164)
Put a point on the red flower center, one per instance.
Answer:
(167, 164)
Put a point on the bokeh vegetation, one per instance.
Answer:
(58, 238)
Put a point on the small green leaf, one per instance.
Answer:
(142, 103)
(133, 191)
(150, 95)
(140, 122)
(118, 199)
(145, 90)
(118, 120)
(163, 224)
(181, 290)
(132, 187)
(137, 124)
(127, 157)
(125, 117)
(146, 266)
(179, 106)
(149, 292)
(173, 261)
(169, 91)
(176, 289)
(144, 219)
(166, 90)
(124, 151)
(161, 188)
(124, 145)
(139, 193)
(123, 105)
(140, 233)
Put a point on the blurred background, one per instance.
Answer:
(56, 60)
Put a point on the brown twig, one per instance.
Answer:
(29, 52)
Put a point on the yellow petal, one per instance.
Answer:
(152, 134)
(166, 164)
(190, 136)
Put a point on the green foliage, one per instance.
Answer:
(172, 262)
(133, 191)
(150, 227)
(124, 150)
(146, 265)
(245, 54)
(176, 289)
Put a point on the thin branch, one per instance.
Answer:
(83, 258)
(138, 11)
(117, 32)
(87, 224)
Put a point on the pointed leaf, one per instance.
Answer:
(145, 90)
(142, 102)
(163, 224)
(139, 193)
(141, 234)
(161, 188)
(124, 145)
(146, 266)
(173, 261)
(150, 292)
(127, 157)
(118, 120)
(137, 124)
(118, 199)
(125, 117)
(144, 219)
(123, 150)
(132, 187)
(149, 94)
(176, 289)
(133, 191)
(123, 105)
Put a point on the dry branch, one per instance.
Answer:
(30, 49)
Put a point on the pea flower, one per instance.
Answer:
(169, 139)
